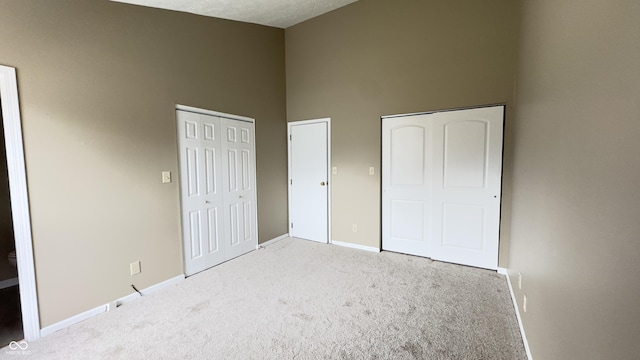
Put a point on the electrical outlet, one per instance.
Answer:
(334, 170)
(135, 268)
(372, 170)
(524, 303)
(354, 227)
(166, 177)
(519, 281)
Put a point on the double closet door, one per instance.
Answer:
(217, 172)
(441, 185)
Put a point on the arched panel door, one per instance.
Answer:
(467, 186)
(406, 179)
(442, 176)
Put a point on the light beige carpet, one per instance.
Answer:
(297, 299)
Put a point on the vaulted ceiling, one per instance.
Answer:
(276, 13)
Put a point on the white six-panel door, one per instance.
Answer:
(217, 171)
(202, 200)
(309, 179)
(239, 188)
(441, 185)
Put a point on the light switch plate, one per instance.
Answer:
(335, 170)
(372, 170)
(166, 177)
(135, 268)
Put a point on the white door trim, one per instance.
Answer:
(330, 179)
(444, 110)
(215, 113)
(19, 202)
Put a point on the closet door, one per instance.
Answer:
(218, 188)
(406, 184)
(441, 183)
(466, 192)
(239, 190)
(201, 190)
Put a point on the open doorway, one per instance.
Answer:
(21, 218)
(10, 312)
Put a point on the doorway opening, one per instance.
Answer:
(21, 219)
(10, 314)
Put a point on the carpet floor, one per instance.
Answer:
(298, 299)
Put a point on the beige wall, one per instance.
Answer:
(379, 57)
(98, 84)
(576, 204)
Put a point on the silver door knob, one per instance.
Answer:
(207, 202)
(322, 183)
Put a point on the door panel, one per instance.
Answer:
(200, 172)
(308, 186)
(465, 154)
(209, 168)
(209, 131)
(246, 174)
(240, 196)
(406, 219)
(233, 226)
(407, 144)
(232, 170)
(471, 235)
(194, 232)
(467, 186)
(213, 234)
(246, 220)
(192, 172)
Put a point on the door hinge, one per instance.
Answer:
(289, 137)
(292, 225)
(291, 182)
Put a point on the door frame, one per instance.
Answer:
(255, 166)
(329, 173)
(19, 202)
(215, 113)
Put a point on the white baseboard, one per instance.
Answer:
(515, 305)
(145, 291)
(355, 246)
(107, 307)
(72, 320)
(272, 241)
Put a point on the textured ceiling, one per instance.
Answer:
(276, 13)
